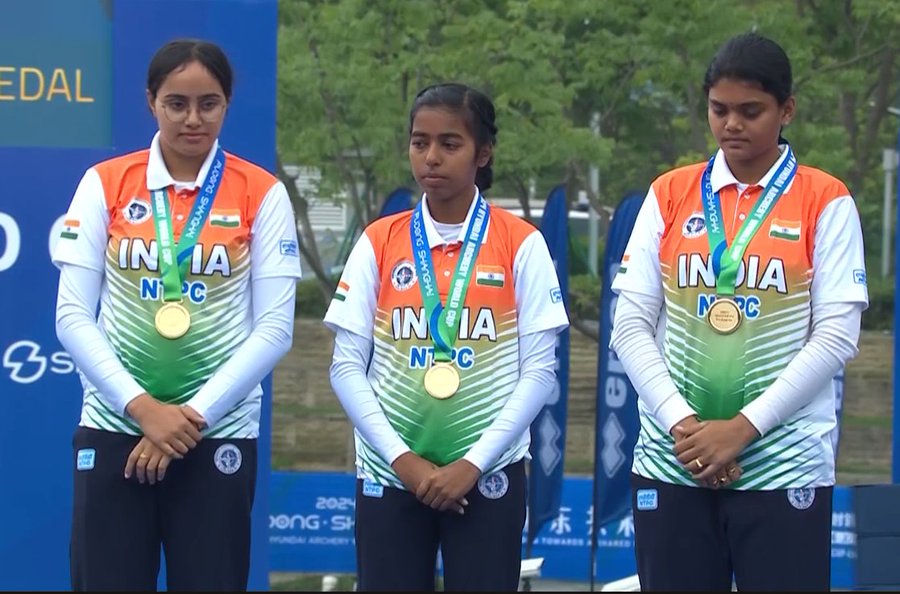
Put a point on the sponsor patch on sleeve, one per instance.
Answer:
(289, 247)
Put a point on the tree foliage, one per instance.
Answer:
(349, 70)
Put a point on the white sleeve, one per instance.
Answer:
(839, 266)
(833, 342)
(348, 379)
(639, 285)
(838, 294)
(78, 332)
(271, 338)
(84, 239)
(539, 303)
(354, 302)
(537, 360)
(274, 251)
(640, 270)
(633, 340)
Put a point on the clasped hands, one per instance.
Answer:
(170, 432)
(442, 488)
(709, 449)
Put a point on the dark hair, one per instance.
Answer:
(752, 58)
(179, 52)
(479, 116)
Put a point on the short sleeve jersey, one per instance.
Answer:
(808, 250)
(513, 291)
(109, 228)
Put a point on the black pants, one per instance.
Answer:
(695, 539)
(397, 537)
(199, 514)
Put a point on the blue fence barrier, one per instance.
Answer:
(312, 517)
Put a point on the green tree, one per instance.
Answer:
(349, 70)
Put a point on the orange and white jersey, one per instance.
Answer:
(513, 292)
(807, 252)
(250, 234)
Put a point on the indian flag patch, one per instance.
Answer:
(623, 267)
(489, 276)
(341, 293)
(70, 229)
(225, 218)
(782, 229)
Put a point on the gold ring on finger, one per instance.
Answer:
(698, 463)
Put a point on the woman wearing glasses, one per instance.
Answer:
(192, 255)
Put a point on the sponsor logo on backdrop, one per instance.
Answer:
(25, 362)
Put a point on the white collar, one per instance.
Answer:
(158, 176)
(434, 238)
(721, 175)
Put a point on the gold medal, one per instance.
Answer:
(724, 315)
(441, 380)
(173, 321)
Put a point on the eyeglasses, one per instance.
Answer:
(208, 110)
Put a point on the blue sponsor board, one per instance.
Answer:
(312, 519)
(56, 73)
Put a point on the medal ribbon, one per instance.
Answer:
(727, 260)
(443, 322)
(173, 259)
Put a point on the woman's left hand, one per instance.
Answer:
(446, 486)
(709, 445)
(148, 461)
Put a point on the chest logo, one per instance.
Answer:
(137, 211)
(403, 276)
(694, 226)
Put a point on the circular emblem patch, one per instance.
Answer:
(694, 226)
(801, 498)
(136, 211)
(403, 276)
(493, 486)
(228, 458)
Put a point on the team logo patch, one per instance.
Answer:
(493, 486)
(859, 277)
(555, 295)
(85, 459)
(228, 458)
(694, 226)
(647, 499)
(137, 211)
(403, 276)
(801, 498)
(371, 489)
